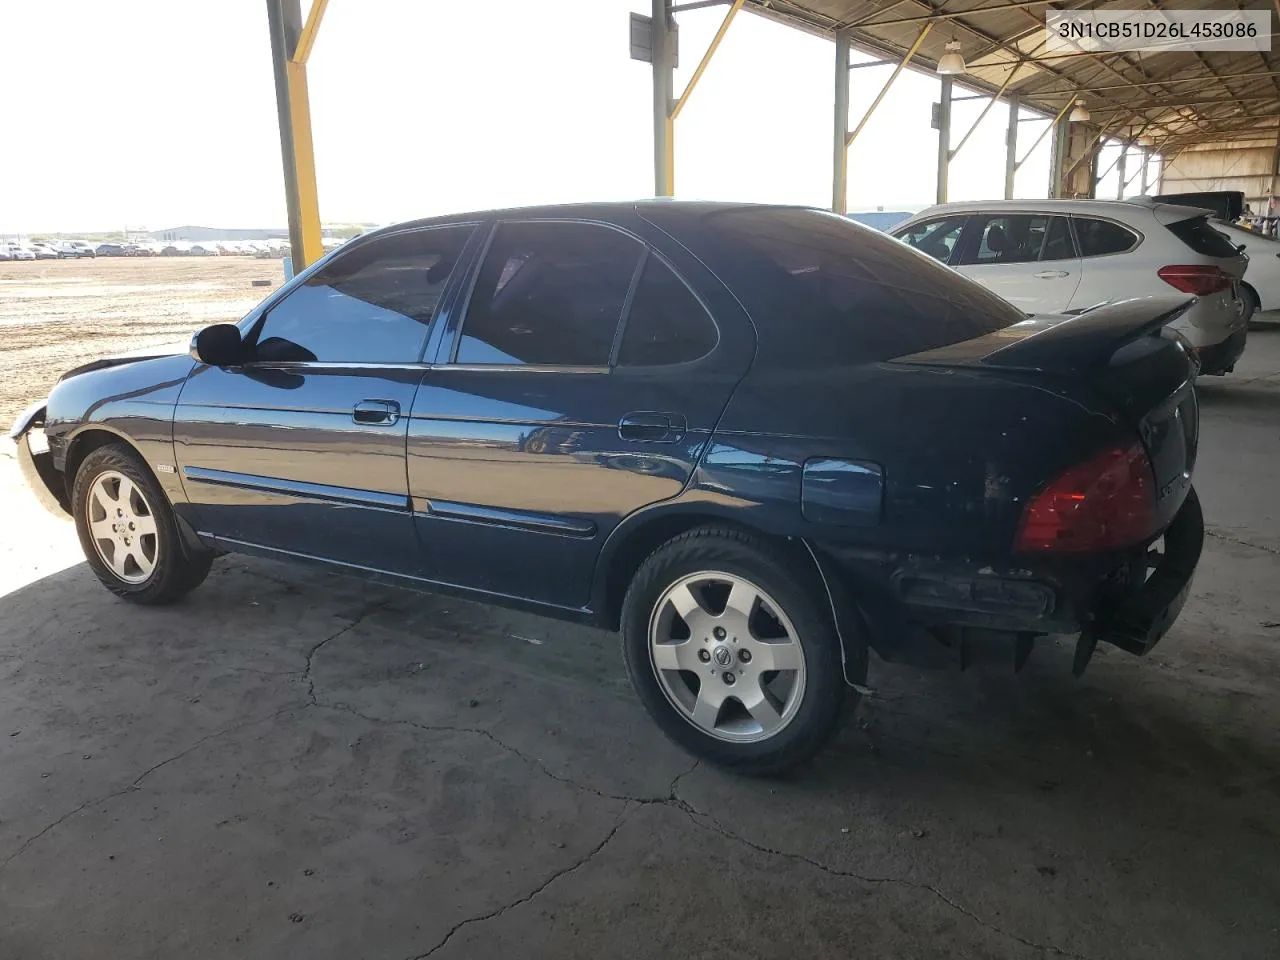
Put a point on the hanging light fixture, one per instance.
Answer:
(952, 64)
(1079, 114)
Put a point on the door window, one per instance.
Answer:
(371, 304)
(937, 238)
(549, 293)
(1015, 238)
(666, 324)
(1101, 237)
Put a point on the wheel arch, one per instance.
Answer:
(640, 535)
(1252, 291)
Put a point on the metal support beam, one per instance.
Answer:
(1146, 168)
(291, 44)
(985, 110)
(1058, 157)
(911, 52)
(1120, 164)
(664, 178)
(840, 130)
(944, 138)
(706, 58)
(1011, 147)
(1053, 126)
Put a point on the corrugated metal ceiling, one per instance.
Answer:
(1174, 98)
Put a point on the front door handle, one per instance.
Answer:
(377, 412)
(651, 427)
(1052, 274)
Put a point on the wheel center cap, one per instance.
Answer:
(722, 655)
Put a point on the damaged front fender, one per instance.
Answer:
(36, 463)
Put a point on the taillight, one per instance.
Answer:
(1105, 503)
(1192, 278)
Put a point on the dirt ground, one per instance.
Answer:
(55, 314)
(294, 764)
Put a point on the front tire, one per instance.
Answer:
(128, 531)
(733, 652)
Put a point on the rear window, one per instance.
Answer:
(1199, 235)
(822, 289)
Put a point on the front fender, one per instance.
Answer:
(36, 463)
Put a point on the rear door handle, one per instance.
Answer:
(379, 412)
(651, 427)
(1052, 274)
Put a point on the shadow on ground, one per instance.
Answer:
(292, 764)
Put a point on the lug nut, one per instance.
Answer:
(719, 632)
(744, 656)
(704, 656)
(729, 678)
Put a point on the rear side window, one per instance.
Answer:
(549, 293)
(1199, 235)
(667, 323)
(371, 304)
(937, 238)
(826, 291)
(1018, 238)
(1098, 238)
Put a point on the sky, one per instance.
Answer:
(155, 113)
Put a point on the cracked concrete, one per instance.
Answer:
(292, 764)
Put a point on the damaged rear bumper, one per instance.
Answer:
(1129, 600)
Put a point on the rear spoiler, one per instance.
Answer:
(1089, 339)
(1063, 344)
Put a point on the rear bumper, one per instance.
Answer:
(1221, 357)
(1123, 599)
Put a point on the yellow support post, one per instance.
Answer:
(304, 161)
(291, 45)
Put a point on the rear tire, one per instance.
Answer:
(716, 603)
(128, 532)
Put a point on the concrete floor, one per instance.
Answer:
(292, 764)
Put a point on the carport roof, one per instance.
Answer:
(1174, 98)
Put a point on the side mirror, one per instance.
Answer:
(1241, 247)
(218, 346)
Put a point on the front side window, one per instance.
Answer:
(372, 304)
(937, 238)
(1099, 238)
(549, 293)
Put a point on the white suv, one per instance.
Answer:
(1064, 256)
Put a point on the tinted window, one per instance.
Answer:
(937, 238)
(823, 290)
(372, 304)
(1012, 238)
(549, 293)
(1058, 244)
(1101, 237)
(667, 323)
(1199, 235)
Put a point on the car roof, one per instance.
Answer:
(1115, 209)
(604, 211)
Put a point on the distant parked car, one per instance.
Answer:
(19, 252)
(172, 251)
(44, 252)
(203, 250)
(1064, 256)
(4, 252)
(73, 249)
(1260, 289)
(111, 250)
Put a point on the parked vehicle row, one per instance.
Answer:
(1065, 256)
(76, 249)
(759, 442)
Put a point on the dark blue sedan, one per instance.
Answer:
(759, 441)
